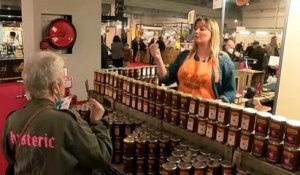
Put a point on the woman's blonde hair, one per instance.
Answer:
(40, 71)
(214, 43)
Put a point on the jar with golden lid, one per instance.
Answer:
(277, 126)
(292, 133)
(176, 96)
(167, 114)
(152, 146)
(248, 119)
(274, 151)
(183, 119)
(201, 158)
(194, 105)
(203, 108)
(185, 102)
(164, 145)
(152, 92)
(259, 146)
(175, 140)
(192, 123)
(221, 135)
(199, 168)
(227, 167)
(128, 146)
(235, 115)
(140, 146)
(175, 160)
(175, 117)
(205, 152)
(169, 169)
(211, 128)
(233, 137)
(159, 111)
(131, 72)
(290, 158)
(168, 97)
(189, 159)
(243, 171)
(201, 129)
(246, 141)
(180, 148)
(179, 154)
(215, 157)
(152, 109)
(194, 148)
(146, 90)
(262, 123)
(160, 95)
(213, 167)
(212, 110)
(223, 113)
(191, 153)
(185, 168)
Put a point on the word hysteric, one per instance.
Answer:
(43, 141)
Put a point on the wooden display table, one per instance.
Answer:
(248, 77)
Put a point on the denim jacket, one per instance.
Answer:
(224, 89)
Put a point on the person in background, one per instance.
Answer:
(127, 55)
(117, 51)
(104, 54)
(41, 138)
(161, 46)
(135, 48)
(239, 47)
(143, 48)
(260, 55)
(249, 50)
(272, 50)
(13, 39)
(230, 50)
(204, 71)
(151, 59)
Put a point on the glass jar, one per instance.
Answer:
(146, 91)
(152, 92)
(277, 126)
(290, 158)
(262, 123)
(213, 167)
(117, 144)
(102, 76)
(292, 133)
(164, 146)
(129, 85)
(185, 168)
(194, 105)
(185, 102)
(242, 171)
(201, 130)
(183, 119)
(215, 157)
(168, 97)
(115, 94)
(174, 141)
(178, 154)
(233, 137)
(125, 82)
(152, 165)
(259, 146)
(160, 95)
(140, 104)
(152, 146)
(128, 99)
(146, 106)
(176, 96)
(274, 151)
(189, 159)
(199, 168)
(120, 96)
(189, 152)
(246, 141)
(211, 128)
(137, 73)
(141, 89)
(134, 87)
(222, 131)
(134, 100)
(126, 72)
(223, 113)
(169, 168)
(175, 117)
(192, 123)
(201, 158)
(159, 111)
(140, 165)
(203, 108)
(128, 165)
(118, 128)
(175, 160)
(227, 167)
(140, 147)
(212, 110)
(167, 114)
(235, 116)
(152, 109)
(128, 145)
(248, 119)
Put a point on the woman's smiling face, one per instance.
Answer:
(202, 34)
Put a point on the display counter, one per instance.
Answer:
(11, 68)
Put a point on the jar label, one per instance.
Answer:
(165, 172)
(244, 144)
(133, 89)
(274, 126)
(145, 93)
(272, 152)
(220, 135)
(127, 131)
(124, 85)
(209, 131)
(139, 106)
(209, 172)
(124, 99)
(202, 110)
(212, 113)
(133, 102)
(199, 172)
(145, 108)
(202, 128)
(227, 172)
(115, 82)
(192, 107)
(190, 124)
(115, 94)
(231, 138)
(140, 91)
(221, 115)
(234, 119)
(245, 122)
(184, 173)
(117, 131)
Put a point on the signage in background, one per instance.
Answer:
(119, 8)
(217, 4)
(191, 17)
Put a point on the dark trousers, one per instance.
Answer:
(118, 62)
(134, 55)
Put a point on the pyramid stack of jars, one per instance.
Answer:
(260, 133)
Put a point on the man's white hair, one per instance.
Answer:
(40, 71)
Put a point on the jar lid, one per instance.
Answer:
(231, 128)
(294, 123)
(274, 142)
(164, 139)
(175, 139)
(128, 139)
(291, 148)
(185, 143)
(258, 137)
(180, 148)
(173, 159)
(169, 166)
(140, 139)
(194, 148)
(212, 122)
(152, 139)
(202, 119)
(184, 165)
(199, 165)
(201, 158)
(190, 153)
(264, 114)
(221, 125)
(177, 153)
(279, 118)
(205, 152)
(204, 100)
(127, 158)
(190, 159)
(170, 90)
(226, 164)
(213, 102)
(224, 105)
(250, 110)
(213, 163)
(215, 157)
(244, 132)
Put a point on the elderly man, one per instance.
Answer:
(230, 50)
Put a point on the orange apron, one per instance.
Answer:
(194, 77)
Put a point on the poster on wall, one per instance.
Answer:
(217, 4)
(18, 37)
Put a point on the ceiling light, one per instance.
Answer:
(235, 21)
(9, 16)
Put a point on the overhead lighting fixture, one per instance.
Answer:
(235, 21)
(245, 32)
(9, 16)
(261, 33)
